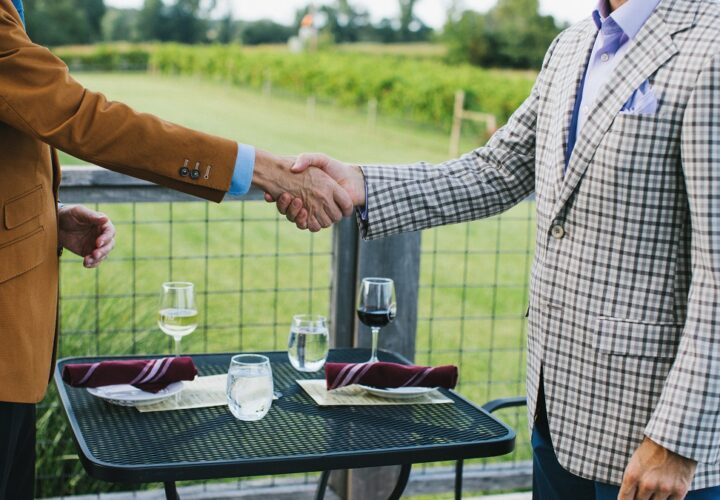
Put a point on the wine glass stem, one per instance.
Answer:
(375, 331)
(177, 346)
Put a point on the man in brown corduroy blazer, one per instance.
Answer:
(42, 108)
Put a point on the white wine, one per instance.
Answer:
(178, 322)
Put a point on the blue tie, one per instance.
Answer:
(19, 6)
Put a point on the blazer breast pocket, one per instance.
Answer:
(643, 135)
(634, 338)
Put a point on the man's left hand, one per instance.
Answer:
(86, 233)
(656, 473)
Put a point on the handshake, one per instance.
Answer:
(313, 190)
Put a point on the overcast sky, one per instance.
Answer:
(432, 12)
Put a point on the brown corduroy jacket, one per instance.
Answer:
(42, 108)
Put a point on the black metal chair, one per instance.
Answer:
(490, 407)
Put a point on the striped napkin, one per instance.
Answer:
(150, 375)
(389, 375)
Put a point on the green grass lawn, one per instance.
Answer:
(259, 270)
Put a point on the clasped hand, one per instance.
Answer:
(303, 210)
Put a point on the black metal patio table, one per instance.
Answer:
(119, 444)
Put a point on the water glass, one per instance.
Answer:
(249, 386)
(308, 342)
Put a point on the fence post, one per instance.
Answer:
(396, 257)
(457, 123)
(343, 287)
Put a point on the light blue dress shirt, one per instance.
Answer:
(616, 29)
(244, 168)
(19, 6)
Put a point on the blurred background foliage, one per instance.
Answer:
(513, 34)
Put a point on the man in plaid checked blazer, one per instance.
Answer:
(620, 141)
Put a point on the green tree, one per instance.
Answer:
(265, 31)
(57, 22)
(226, 31)
(186, 23)
(512, 34)
(94, 12)
(407, 16)
(342, 21)
(152, 22)
(120, 24)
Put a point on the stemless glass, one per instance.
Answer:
(249, 386)
(308, 342)
(178, 313)
(376, 307)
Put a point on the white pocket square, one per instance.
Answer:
(642, 102)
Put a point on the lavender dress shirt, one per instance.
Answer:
(615, 30)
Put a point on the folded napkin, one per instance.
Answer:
(389, 375)
(151, 375)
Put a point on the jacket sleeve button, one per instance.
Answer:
(184, 172)
(195, 174)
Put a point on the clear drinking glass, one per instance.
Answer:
(178, 313)
(249, 386)
(376, 307)
(308, 342)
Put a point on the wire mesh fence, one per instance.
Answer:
(252, 271)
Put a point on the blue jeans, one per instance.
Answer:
(552, 482)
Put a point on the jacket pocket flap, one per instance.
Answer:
(22, 255)
(656, 340)
(24, 208)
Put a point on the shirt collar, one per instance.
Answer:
(630, 16)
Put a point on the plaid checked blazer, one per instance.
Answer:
(624, 318)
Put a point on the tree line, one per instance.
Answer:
(512, 34)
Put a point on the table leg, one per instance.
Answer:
(401, 482)
(171, 491)
(322, 485)
(458, 479)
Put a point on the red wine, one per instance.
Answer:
(375, 318)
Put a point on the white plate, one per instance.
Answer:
(127, 395)
(398, 393)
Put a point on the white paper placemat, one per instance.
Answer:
(202, 392)
(355, 396)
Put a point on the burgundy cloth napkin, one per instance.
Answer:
(151, 375)
(389, 375)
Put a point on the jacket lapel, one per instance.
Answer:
(652, 48)
(574, 73)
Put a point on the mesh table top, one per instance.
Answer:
(119, 444)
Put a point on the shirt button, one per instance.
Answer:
(184, 172)
(586, 109)
(557, 231)
(605, 57)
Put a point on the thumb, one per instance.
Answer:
(304, 161)
(269, 198)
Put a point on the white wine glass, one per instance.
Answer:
(376, 307)
(178, 312)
